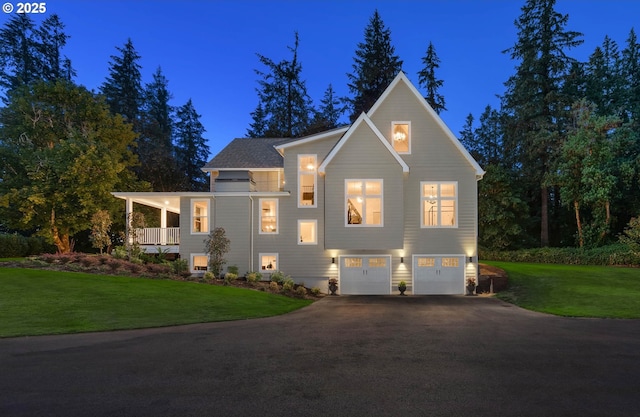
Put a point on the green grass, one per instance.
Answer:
(37, 302)
(574, 291)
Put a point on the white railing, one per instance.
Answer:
(158, 236)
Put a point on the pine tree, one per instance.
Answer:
(328, 114)
(284, 108)
(192, 151)
(427, 79)
(18, 52)
(468, 138)
(123, 87)
(630, 72)
(51, 39)
(534, 102)
(374, 68)
(155, 146)
(603, 82)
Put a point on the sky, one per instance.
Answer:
(207, 49)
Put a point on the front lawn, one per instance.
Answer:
(575, 291)
(36, 302)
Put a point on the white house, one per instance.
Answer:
(390, 198)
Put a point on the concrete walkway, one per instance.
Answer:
(342, 356)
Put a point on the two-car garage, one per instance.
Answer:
(371, 274)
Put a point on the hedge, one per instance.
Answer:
(615, 254)
(15, 245)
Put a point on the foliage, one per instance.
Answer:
(277, 276)
(229, 277)
(57, 138)
(427, 79)
(208, 276)
(100, 227)
(284, 108)
(402, 286)
(233, 269)
(253, 277)
(119, 252)
(216, 246)
(191, 148)
(614, 254)
(14, 245)
(123, 87)
(287, 284)
(328, 114)
(180, 266)
(301, 291)
(375, 65)
(315, 291)
(273, 285)
(631, 235)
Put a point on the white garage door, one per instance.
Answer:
(365, 275)
(435, 274)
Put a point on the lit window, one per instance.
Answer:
(307, 165)
(307, 231)
(268, 216)
(363, 202)
(199, 216)
(199, 262)
(439, 204)
(269, 262)
(401, 136)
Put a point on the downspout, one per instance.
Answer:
(251, 237)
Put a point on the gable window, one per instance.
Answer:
(199, 262)
(363, 202)
(401, 136)
(268, 262)
(308, 232)
(439, 204)
(199, 216)
(307, 180)
(268, 216)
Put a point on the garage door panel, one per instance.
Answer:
(365, 275)
(435, 275)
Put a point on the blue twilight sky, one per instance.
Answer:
(207, 49)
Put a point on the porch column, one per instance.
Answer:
(127, 212)
(163, 226)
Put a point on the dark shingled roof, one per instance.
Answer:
(248, 153)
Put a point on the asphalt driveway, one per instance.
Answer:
(342, 356)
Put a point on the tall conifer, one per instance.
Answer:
(427, 79)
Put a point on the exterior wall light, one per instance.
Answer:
(333, 260)
(470, 259)
(402, 259)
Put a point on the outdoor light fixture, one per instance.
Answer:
(470, 259)
(402, 259)
(333, 260)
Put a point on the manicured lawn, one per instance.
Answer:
(575, 291)
(36, 302)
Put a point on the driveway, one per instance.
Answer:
(341, 356)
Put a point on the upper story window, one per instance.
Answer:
(401, 136)
(307, 180)
(308, 232)
(268, 215)
(439, 204)
(363, 202)
(199, 216)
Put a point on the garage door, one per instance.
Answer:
(365, 275)
(438, 274)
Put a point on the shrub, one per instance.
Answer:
(13, 245)
(180, 267)
(273, 286)
(301, 291)
(315, 291)
(119, 252)
(288, 284)
(208, 276)
(233, 269)
(89, 261)
(277, 276)
(253, 277)
(615, 254)
(158, 269)
(229, 277)
(114, 264)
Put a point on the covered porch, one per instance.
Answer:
(164, 210)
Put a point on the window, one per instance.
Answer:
(200, 216)
(268, 216)
(353, 262)
(377, 262)
(307, 231)
(363, 202)
(439, 204)
(269, 262)
(307, 165)
(401, 136)
(199, 262)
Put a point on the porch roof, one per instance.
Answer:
(160, 200)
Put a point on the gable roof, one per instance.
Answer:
(366, 120)
(402, 78)
(247, 153)
(312, 138)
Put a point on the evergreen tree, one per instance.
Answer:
(155, 145)
(630, 72)
(489, 138)
(427, 79)
(534, 102)
(374, 68)
(50, 41)
(192, 151)
(468, 138)
(284, 108)
(328, 114)
(123, 86)
(602, 79)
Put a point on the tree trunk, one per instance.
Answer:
(607, 209)
(62, 241)
(544, 217)
(576, 207)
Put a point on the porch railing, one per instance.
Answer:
(158, 236)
